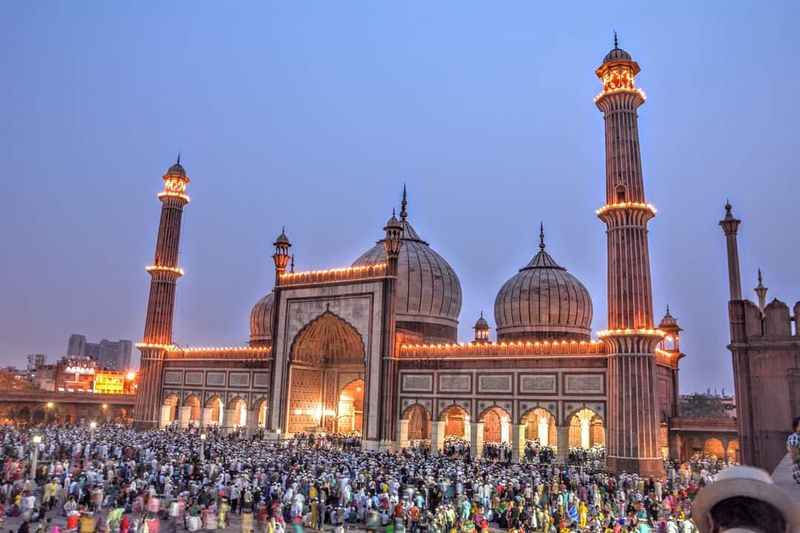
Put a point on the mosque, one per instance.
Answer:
(373, 349)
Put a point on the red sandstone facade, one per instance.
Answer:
(372, 348)
(766, 362)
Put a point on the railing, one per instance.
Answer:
(503, 349)
(247, 353)
(378, 270)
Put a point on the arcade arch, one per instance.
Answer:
(540, 426)
(237, 412)
(496, 425)
(456, 421)
(419, 422)
(586, 429)
(216, 410)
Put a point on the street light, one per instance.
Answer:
(203, 446)
(50, 405)
(37, 439)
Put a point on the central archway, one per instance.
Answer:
(327, 357)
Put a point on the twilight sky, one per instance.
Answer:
(313, 114)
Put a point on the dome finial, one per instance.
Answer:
(291, 265)
(541, 236)
(179, 158)
(616, 41)
(404, 205)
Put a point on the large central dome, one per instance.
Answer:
(543, 302)
(428, 291)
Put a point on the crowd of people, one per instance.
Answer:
(115, 479)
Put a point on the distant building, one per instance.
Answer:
(35, 360)
(114, 355)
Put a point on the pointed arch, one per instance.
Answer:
(328, 339)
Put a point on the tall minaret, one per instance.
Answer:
(633, 420)
(164, 273)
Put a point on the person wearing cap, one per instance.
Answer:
(745, 499)
(793, 447)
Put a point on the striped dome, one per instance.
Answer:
(428, 290)
(543, 302)
(261, 320)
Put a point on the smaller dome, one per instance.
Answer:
(481, 323)
(261, 320)
(669, 322)
(177, 169)
(617, 54)
(282, 238)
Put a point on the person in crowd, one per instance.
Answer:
(744, 499)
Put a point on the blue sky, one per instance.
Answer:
(313, 115)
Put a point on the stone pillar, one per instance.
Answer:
(467, 429)
(402, 433)
(252, 422)
(230, 418)
(166, 415)
(476, 440)
(562, 434)
(518, 443)
(437, 437)
(205, 419)
(185, 415)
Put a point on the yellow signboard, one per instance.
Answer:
(109, 383)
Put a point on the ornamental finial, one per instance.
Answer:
(404, 205)
(616, 41)
(541, 236)
(179, 158)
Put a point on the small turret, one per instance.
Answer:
(669, 325)
(761, 292)
(481, 330)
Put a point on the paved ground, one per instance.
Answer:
(783, 478)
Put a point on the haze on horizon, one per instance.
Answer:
(312, 115)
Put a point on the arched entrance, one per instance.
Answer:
(215, 405)
(237, 413)
(540, 426)
(496, 425)
(714, 447)
(350, 410)
(419, 423)
(455, 420)
(586, 430)
(327, 357)
(192, 402)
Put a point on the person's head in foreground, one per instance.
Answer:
(745, 499)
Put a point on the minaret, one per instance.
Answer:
(389, 368)
(761, 292)
(730, 226)
(633, 420)
(164, 273)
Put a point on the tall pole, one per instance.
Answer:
(633, 421)
(737, 316)
(164, 274)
